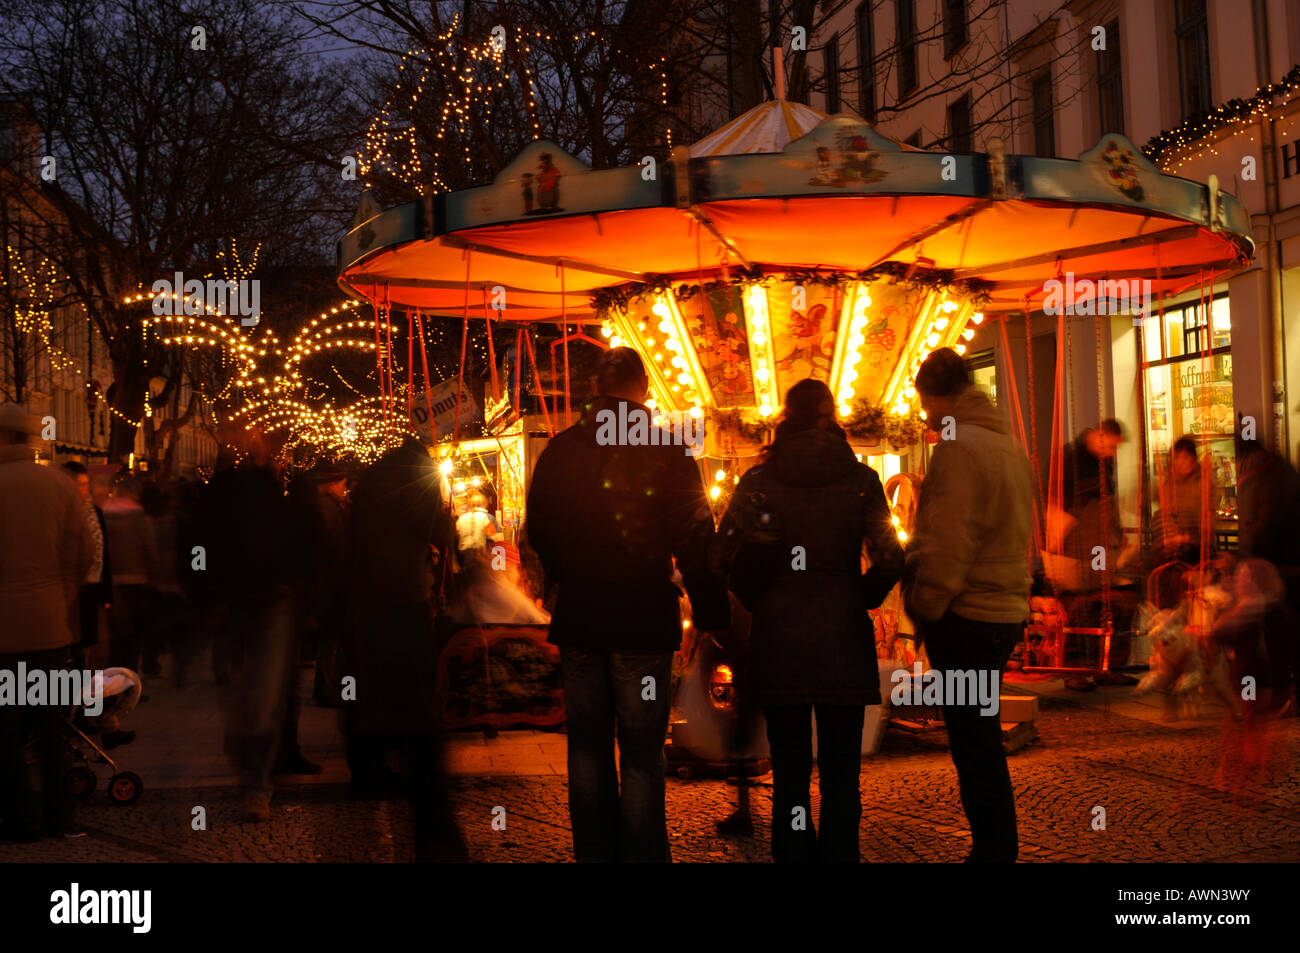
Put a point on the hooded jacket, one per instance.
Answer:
(606, 521)
(811, 640)
(969, 551)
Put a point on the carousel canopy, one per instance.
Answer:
(549, 233)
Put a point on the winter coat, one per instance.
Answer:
(130, 541)
(45, 553)
(969, 551)
(606, 522)
(811, 639)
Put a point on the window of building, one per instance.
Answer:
(954, 27)
(1188, 394)
(1110, 82)
(1044, 120)
(866, 63)
(959, 126)
(984, 373)
(906, 34)
(1192, 35)
(831, 53)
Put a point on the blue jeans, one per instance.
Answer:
(604, 698)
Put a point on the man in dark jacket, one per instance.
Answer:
(607, 519)
(967, 582)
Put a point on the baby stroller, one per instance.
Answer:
(120, 693)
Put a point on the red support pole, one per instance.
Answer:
(464, 342)
(424, 360)
(492, 354)
(564, 316)
(379, 369)
(537, 376)
(410, 370)
(519, 365)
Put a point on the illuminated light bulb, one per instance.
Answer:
(900, 408)
(666, 327)
(760, 338)
(940, 323)
(932, 340)
(968, 333)
(850, 375)
(854, 358)
(604, 332)
(856, 341)
(977, 317)
(445, 467)
(676, 388)
(652, 404)
(696, 412)
(649, 342)
(460, 486)
(902, 536)
(715, 492)
(761, 374)
(960, 348)
(895, 520)
(765, 410)
(640, 326)
(683, 378)
(949, 306)
(845, 410)
(846, 394)
(660, 309)
(678, 362)
(720, 476)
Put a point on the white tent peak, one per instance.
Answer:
(767, 128)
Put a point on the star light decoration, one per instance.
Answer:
(391, 141)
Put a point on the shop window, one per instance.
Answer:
(1192, 34)
(954, 27)
(906, 34)
(832, 61)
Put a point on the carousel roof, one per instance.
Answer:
(835, 197)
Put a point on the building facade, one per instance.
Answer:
(1207, 88)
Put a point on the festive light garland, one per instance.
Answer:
(1235, 112)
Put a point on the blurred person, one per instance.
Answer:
(131, 546)
(398, 520)
(1180, 511)
(1268, 527)
(1082, 523)
(476, 528)
(246, 530)
(967, 583)
(606, 521)
(45, 554)
(167, 622)
(323, 600)
(97, 591)
(811, 644)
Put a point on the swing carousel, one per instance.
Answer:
(788, 244)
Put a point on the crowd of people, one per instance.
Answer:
(355, 569)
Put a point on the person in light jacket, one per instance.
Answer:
(45, 554)
(967, 581)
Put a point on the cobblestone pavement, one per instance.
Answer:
(1189, 792)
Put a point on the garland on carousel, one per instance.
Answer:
(618, 299)
(872, 423)
(867, 423)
